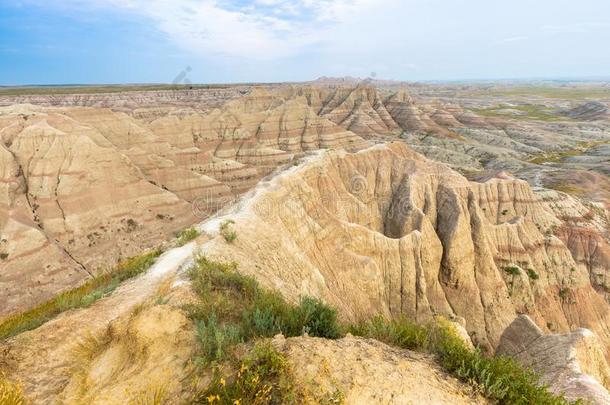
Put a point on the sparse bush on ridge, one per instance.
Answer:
(235, 309)
(531, 273)
(79, 297)
(186, 236)
(563, 293)
(226, 231)
(512, 270)
(263, 377)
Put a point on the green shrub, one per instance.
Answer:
(263, 378)
(186, 236)
(3, 256)
(79, 297)
(512, 270)
(403, 333)
(225, 230)
(242, 310)
(270, 315)
(315, 318)
(214, 339)
(532, 274)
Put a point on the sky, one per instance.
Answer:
(229, 41)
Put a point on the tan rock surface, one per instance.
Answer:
(83, 187)
(572, 364)
(45, 361)
(144, 355)
(366, 372)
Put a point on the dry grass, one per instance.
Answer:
(80, 297)
(557, 92)
(565, 188)
(152, 396)
(529, 112)
(10, 393)
(92, 89)
(560, 156)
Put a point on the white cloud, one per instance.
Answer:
(263, 29)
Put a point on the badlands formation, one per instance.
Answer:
(440, 202)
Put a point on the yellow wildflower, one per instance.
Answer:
(222, 382)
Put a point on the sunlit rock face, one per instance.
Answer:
(572, 364)
(83, 187)
(385, 231)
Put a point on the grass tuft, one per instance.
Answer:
(81, 297)
(225, 230)
(10, 393)
(186, 236)
(156, 396)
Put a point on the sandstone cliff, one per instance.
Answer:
(385, 231)
(84, 187)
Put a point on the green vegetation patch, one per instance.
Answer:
(186, 236)
(80, 297)
(527, 112)
(531, 273)
(558, 92)
(227, 232)
(512, 270)
(559, 156)
(263, 377)
(234, 309)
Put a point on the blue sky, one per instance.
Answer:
(152, 41)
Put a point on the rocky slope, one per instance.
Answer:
(366, 371)
(572, 363)
(379, 231)
(84, 187)
(137, 344)
(385, 231)
(83, 172)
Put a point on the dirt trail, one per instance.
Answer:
(41, 359)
